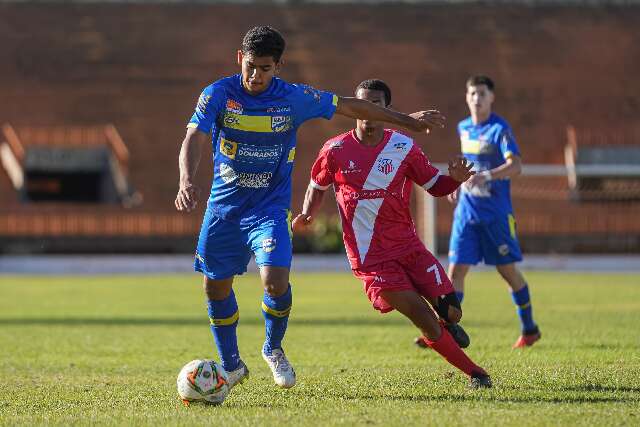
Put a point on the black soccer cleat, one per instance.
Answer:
(458, 334)
(480, 380)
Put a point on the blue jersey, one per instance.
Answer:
(254, 142)
(488, 145)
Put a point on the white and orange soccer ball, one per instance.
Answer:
(203, 381)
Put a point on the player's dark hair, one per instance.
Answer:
(376, 84)
(263, 41)
(481, 80)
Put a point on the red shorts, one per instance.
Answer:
(418, 271)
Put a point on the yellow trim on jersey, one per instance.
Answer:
(226, 321)
(277, 313)
(289, 218)
(292, 155)
(228, 148)
(512, 226)
(192, 126)
(334, 100)
(470, 146)
(508, 154)
(247, 123)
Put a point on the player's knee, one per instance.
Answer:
(217, 290)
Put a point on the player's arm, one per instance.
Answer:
(312, 201)
(188, 161)
(421, 121)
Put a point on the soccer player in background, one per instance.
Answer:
(372, 169)
(253, 118)
(484, 227)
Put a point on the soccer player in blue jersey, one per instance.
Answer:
(253, 118)
(484, 227)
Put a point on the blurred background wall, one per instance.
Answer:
(71, 73)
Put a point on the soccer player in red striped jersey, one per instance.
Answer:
(372, 170)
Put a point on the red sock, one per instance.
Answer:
(449, 349)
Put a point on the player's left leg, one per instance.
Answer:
(416, 308)
(271, 243)
(522, 300)
(501, 248)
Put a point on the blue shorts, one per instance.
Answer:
(225, 247)
(494, 242)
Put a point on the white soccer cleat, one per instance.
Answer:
(239, 375)
(283, 373)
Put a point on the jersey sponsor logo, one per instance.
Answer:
(228, 148)
(250, 153)
(368, 194)
(475, 146)
(400, 146)
(266, 124)
(244, 179)
(280, 109)
(268, 244)
(336, 144)
(385, 166)
(203, 102)
(234, 106)
(351, 168)
(281, 123)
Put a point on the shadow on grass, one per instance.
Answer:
(483, 396)
(186, 321)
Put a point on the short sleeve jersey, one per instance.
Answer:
(487, 145)
(373, 191)
(254, 142)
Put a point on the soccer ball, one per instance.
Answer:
(203, 381)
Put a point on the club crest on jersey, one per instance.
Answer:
(280, 123)
(228, 148)
(385, 166)
(268, 244)
(234, 106)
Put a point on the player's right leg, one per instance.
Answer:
(415, 307)
(219, 257)
(465, 250)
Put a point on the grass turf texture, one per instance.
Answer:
(106, 350)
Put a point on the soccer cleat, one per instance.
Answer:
(480, 380)
(239, 375)
(457, 332)
(283, 373)
(527, 340)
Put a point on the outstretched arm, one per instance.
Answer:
(421, 121)
(511, 168)
(188, 161)
(312, 202)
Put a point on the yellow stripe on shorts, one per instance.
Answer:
(277, 313)
(226, 321)
(512, 226)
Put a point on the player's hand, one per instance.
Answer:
(460, 170)
(301, 223)
(187, 198)
(428, 120)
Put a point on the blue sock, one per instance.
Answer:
(460, 296)
(276, 314)
(523, 305)
(223, 317)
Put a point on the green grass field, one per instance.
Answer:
(106, 350)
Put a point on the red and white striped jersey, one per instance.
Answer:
(373, 191)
